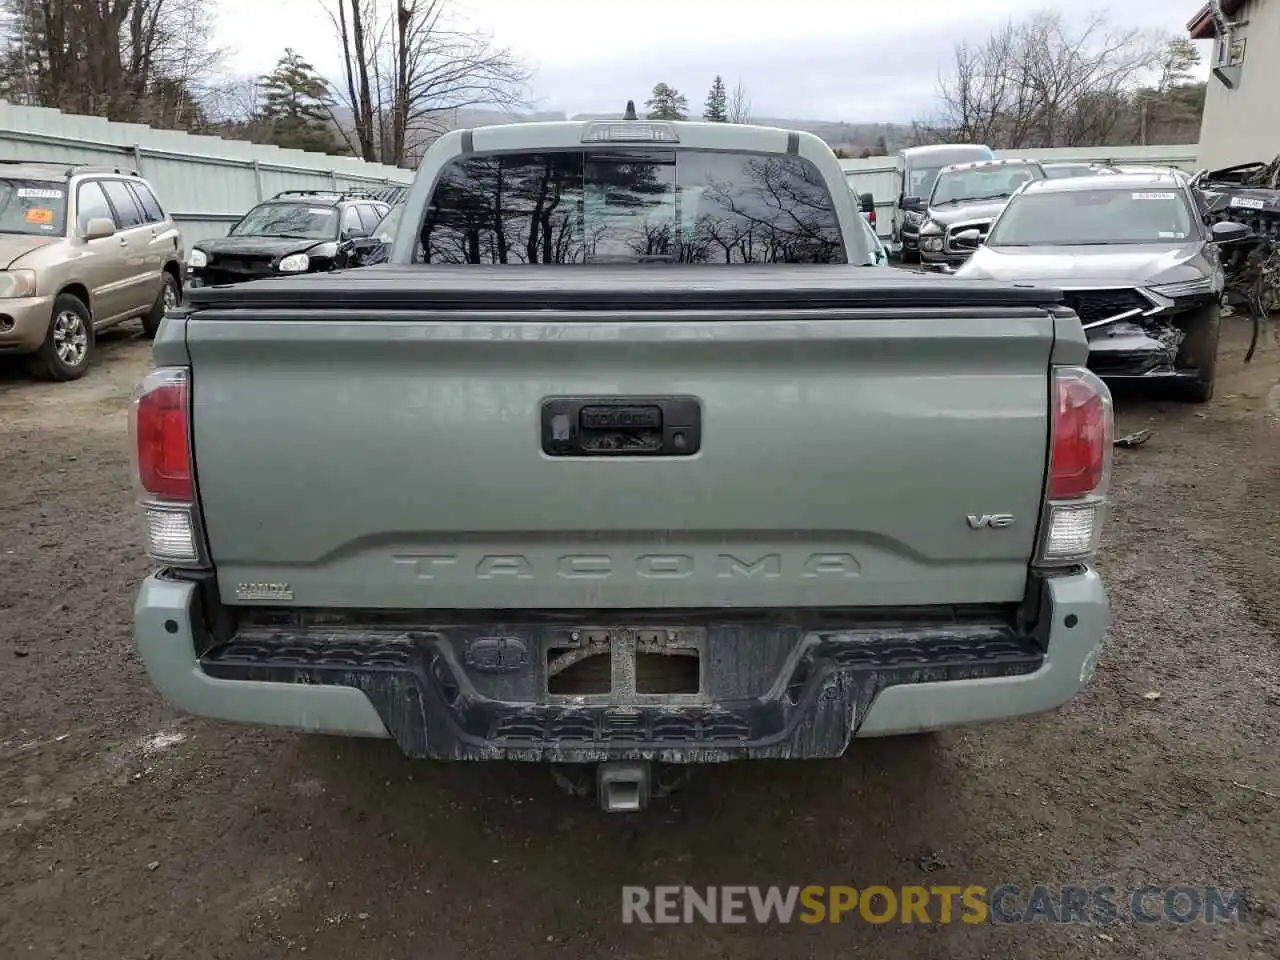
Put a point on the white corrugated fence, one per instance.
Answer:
(206, 183)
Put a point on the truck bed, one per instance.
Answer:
(409, 438)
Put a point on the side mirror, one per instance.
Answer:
(98, 228)
(909, 203)
(969, 236)
(867, 202)
(355, 233)
(1228, 231)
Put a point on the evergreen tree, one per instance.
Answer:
(667, 103)
(717, 105)
(296, 107)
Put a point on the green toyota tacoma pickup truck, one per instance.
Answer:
(626, 459)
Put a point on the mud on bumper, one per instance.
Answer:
(779, 685)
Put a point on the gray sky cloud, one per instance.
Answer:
(825, 59)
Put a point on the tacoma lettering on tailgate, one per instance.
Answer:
(652, 566)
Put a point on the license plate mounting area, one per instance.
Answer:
(617, 666)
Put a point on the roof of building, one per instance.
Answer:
(1200, 26)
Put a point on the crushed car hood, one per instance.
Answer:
(1103, 265)
(256, 246)
(15, 245)
(962, 212)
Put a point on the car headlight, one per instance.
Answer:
(914, 217)
(932, 244)
(197, 259)
(17, 283)
(1188, 288)
(294, 263)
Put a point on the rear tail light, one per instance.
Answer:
(1079, 467)
(160, 427)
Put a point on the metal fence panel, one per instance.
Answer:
(206, 183)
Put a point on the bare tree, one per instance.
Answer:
(145, 61)
(739, 104)
(409, 67)
(1044, 83)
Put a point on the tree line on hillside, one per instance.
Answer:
(409, 71)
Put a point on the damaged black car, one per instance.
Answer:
(297, 231)
(1247, 193)
(1134, 259)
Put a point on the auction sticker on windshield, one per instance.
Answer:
(39, 215)
(40, 193)
(1249, 202)
(1155, 196)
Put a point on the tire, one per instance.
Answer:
(68, 346)
(169, 297)
(910, 256)
(1200, 351)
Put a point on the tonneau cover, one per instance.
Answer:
(632, 286)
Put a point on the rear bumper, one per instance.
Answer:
(804, 692)
(24, 323)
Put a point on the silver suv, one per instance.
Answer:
(81, 249)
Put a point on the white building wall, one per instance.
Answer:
(1243, 125)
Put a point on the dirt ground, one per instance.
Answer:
(128, 831)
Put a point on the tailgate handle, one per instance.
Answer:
(621, 426)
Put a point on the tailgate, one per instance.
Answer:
(395, 454)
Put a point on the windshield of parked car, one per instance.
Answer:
(1106, 215)
(629, 206)
(298, 220)
(35, 207)
(921, 180)
(981, 183)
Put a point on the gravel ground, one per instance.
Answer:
(127, 830)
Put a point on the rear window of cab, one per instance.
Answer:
(629, 206)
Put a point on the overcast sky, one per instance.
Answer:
(809, 59)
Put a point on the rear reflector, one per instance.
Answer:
(1072, 530)
(161, 438)
(171, 534)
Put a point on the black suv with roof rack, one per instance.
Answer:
(296, 231)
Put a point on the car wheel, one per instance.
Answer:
(1199, 351)
(910, 256)
(68, 346)
(170, 296)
